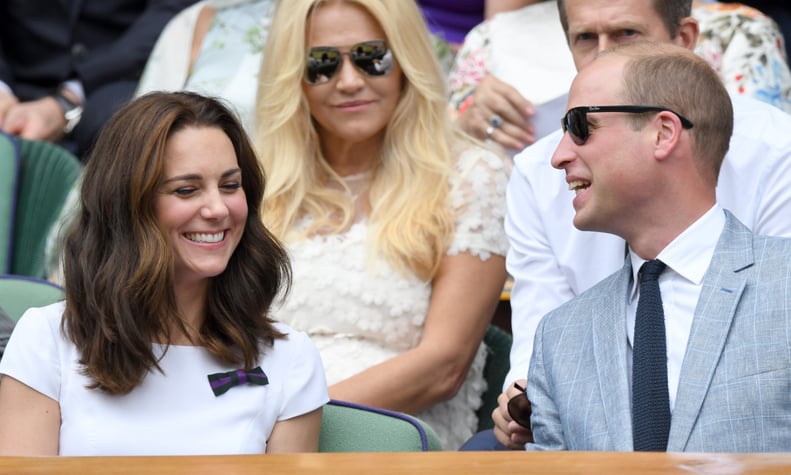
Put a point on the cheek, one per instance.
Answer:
(237, 206)
(171, 213)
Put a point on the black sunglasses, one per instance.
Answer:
(519, 407)
(575, 122)
(373, 58)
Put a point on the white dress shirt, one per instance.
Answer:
(687, 258)
(551, 261)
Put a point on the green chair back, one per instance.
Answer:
(19, 293)
(46, 175)
(498, 342)
(9, 171)
(348, 427)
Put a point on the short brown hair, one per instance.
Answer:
(666, 75)
(670, 11)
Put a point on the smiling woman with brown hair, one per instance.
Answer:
(164, 344)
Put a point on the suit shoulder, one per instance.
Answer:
(589, 302)
(773, 249)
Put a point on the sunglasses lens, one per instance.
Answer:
(322, 64)
(576, 124)
(519, 409)
(372, 57)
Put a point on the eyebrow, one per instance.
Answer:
(620, 26)
(195, 176)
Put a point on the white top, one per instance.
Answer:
(361, 313)
(175, 413)
(687, 257)
(552, 261)
(229, 59)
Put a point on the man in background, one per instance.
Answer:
(67, 65)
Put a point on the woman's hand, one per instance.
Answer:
(494, 98)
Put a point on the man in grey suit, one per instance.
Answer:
(649, 176)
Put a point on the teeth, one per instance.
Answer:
(204, 237)
(578, 186)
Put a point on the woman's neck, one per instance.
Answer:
(352, 158)
(191, 304)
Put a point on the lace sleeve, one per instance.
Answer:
(478, 201)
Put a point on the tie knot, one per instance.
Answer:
(651, 270)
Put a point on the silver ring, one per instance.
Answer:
(495, 121)
(489, 131)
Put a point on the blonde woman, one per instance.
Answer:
(392, 218)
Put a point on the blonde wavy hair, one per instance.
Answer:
(408, 196)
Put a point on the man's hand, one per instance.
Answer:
(508, 432)
(493, 97)
(7, 101)
(41, 119)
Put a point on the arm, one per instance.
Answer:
(476, 95)
(465, 293)
(31, 420)
(545, 419)
(539, 283)
(126, 57)
(298, 434)
(171, 59)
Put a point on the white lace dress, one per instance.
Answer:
(358, 316)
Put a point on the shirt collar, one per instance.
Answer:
(690, 253)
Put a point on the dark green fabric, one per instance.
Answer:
(9, 169)
(46, 174)
(498, 343)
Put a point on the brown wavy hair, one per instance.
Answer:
(119, 265)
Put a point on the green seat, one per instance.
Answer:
(19, 293)
(9, 171)
(46, 174)
(498, 342)
(348, 427)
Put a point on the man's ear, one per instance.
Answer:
(687, 35)
(668, 134)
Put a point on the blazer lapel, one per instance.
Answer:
(722, 289)
(609, 348)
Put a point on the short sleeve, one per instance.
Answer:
(746, 49)
(32, 356)
(305, 389)
(478, 202)
(470, 66)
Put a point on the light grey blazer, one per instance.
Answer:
(734, 391)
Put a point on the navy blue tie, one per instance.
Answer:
(650, 401)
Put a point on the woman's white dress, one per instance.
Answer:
(359, 314)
